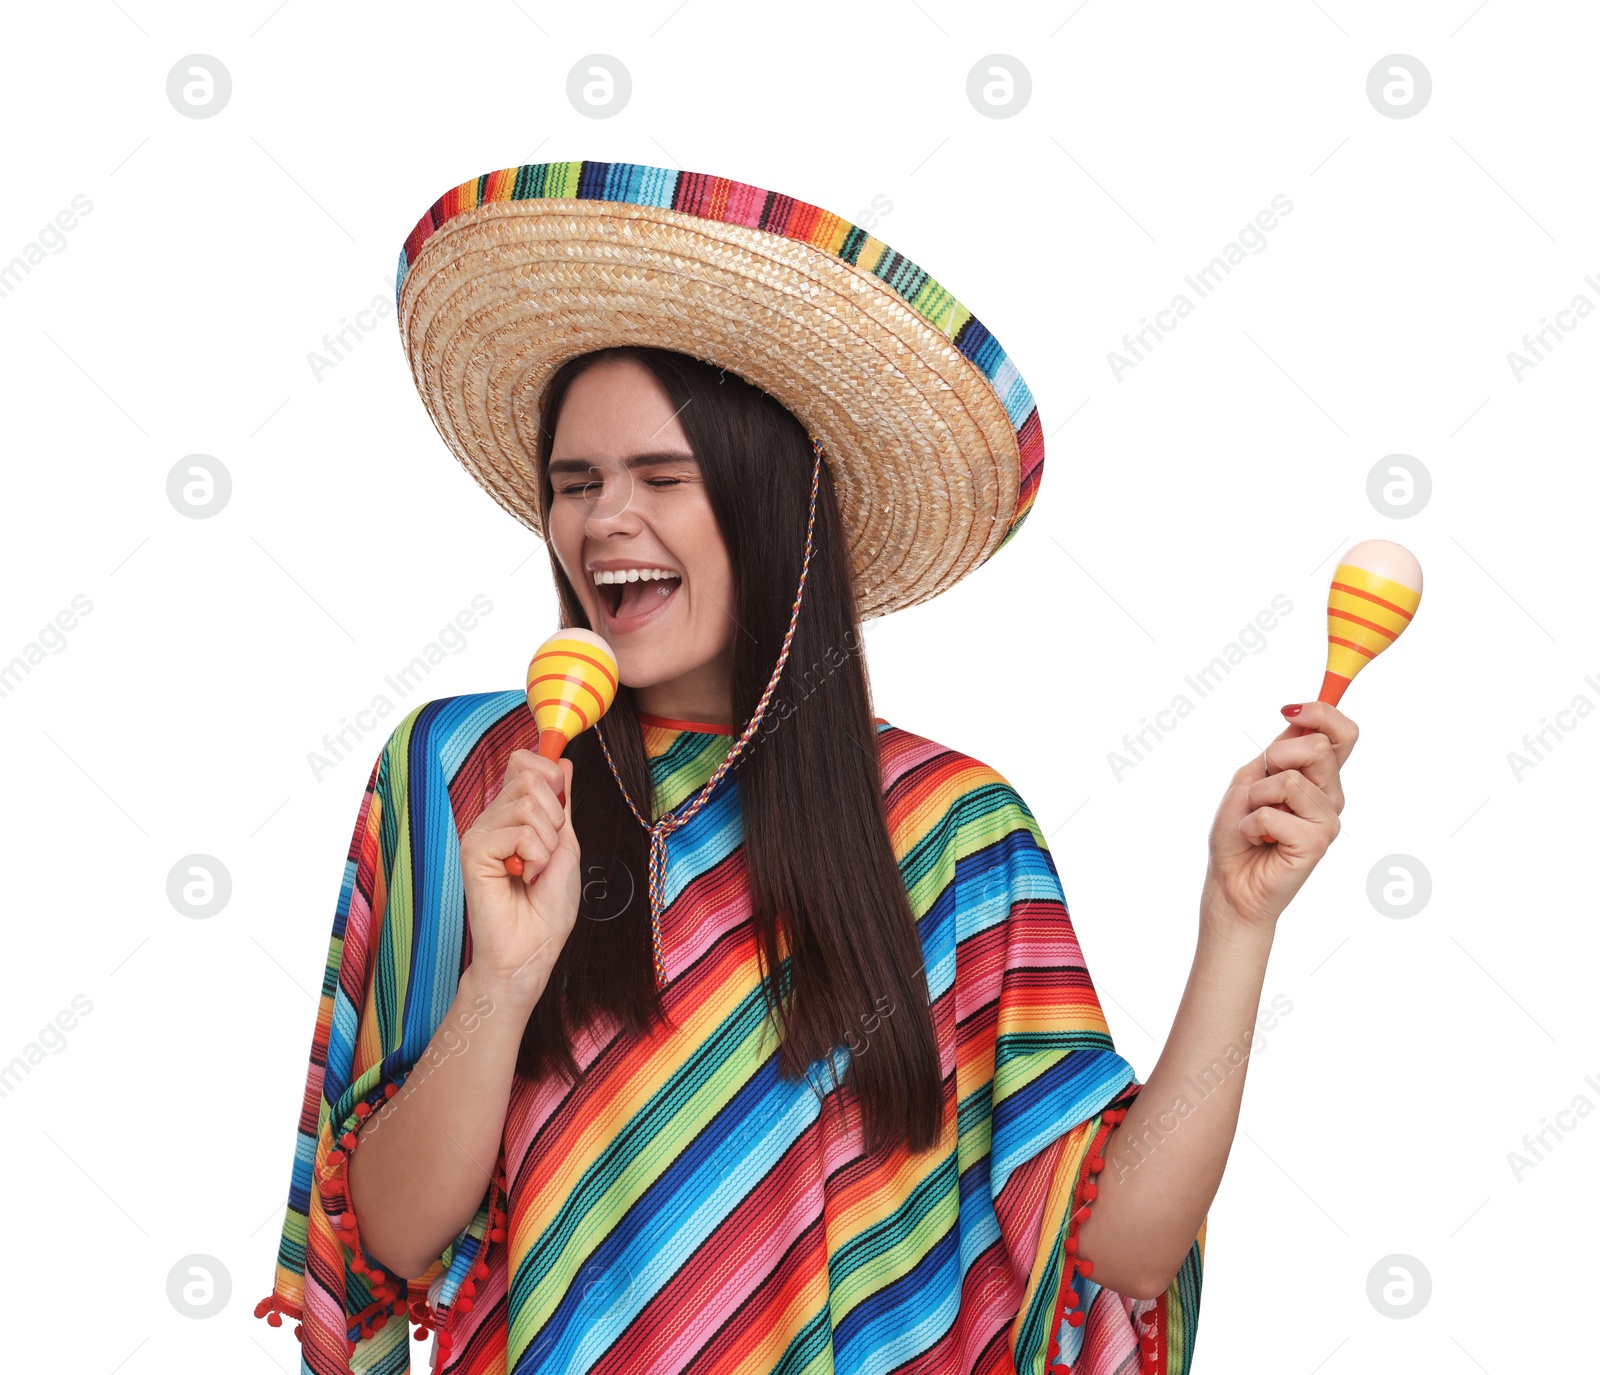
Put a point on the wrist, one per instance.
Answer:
(486, 995)
(1222, 923)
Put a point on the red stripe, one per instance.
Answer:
(1371, 597)
(581, 658)
(1350, 644)
(1030, 442)
(599, 701)
(563, 702)
(418, 236)
(1356, 620)
(670, 723)
(802, 221)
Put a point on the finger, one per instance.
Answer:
(530, 813)
(495, 851)
(1293, 835)
(1298, 793)
(1313, 755)
(535, 808)
(536, 776)
(540, 800)
(1232, 810)
(530, 847)
(525, 762)
(1341, 731)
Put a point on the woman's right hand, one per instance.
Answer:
(520, 922)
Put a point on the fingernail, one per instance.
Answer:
(561, 797)
(1293, 709)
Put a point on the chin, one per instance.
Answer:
(641, 669)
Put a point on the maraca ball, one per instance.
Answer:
(572, 681)
(1372, 597)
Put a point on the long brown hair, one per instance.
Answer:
(816, 838)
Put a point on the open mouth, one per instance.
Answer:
(630, 595)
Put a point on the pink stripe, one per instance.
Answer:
(744, 204)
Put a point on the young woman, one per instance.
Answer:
(781, 1049)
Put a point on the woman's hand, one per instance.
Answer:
(520, 923)
(1279, 816)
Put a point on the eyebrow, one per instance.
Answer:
(653, 459)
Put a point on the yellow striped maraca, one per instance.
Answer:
(1374, 594)
(572, 681)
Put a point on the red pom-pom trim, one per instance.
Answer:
(390, 1295)
(1153, 1339)
(1152, 1349)
(275, 1309)
(479, 1268)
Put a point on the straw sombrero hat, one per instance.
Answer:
(931, 436)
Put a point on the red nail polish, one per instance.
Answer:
(561, 797)
(1293, 709)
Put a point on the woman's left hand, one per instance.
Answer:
(1262, 853)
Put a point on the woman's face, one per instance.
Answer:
(629, 507)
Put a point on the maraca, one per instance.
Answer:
(572, 681)
(1374, 594)
(1375, 590)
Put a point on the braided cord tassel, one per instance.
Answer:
(664, 827)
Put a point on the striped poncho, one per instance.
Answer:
(684, 1208)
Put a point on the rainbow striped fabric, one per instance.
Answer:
(685, 1208)
(737, 202)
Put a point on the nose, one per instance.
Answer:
(610, 505)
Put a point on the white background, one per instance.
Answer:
(1229, 466)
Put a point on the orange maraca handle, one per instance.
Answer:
(551, 744)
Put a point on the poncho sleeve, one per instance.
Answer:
(394, 960)
(1059, 1089)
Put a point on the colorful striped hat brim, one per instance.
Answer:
(931, 435)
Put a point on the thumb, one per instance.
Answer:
(567, 848)
(562, 872)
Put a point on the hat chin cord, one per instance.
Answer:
(666, 825)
